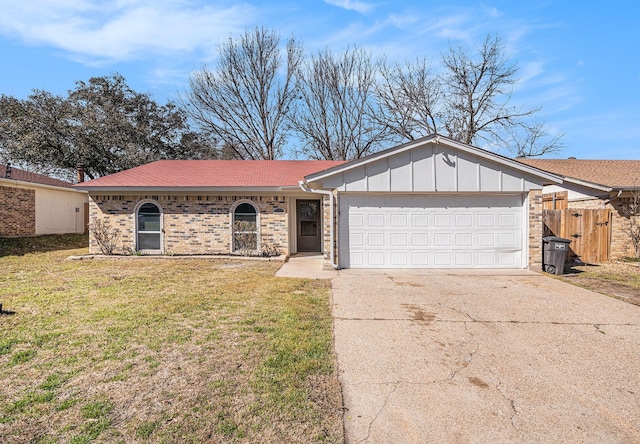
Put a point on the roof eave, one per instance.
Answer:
(4, 180)
(585, 183)
(133, 189)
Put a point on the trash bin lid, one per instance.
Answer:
(556, 239)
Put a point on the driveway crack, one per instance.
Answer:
(386, 399)
(465, 364)
(512, 403)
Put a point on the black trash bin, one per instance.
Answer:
(554, 254)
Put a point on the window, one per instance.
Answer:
(245, 228)
(149, 227)
(308, 214)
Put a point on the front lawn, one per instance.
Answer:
(166, 350)
(619, 279)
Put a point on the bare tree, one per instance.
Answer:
(478, 96)
(245, 99)
(631, 211)
(469, 100)
(530, 140)
(409, 98)
(335, 117)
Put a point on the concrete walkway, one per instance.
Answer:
(308, 266)
(473, 356)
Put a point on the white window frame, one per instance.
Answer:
(232, 217)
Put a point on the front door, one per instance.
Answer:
(308, 224)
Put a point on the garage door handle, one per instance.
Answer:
(576, 235)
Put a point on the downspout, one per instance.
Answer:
(305, 187)
(613, 198)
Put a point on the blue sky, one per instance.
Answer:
(579, 60)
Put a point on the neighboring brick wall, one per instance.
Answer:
(587, 204)
(192, 224)
(535, 230)
(17, 212)
(621, 245)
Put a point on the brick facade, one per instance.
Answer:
(621, 245)
(326, 225)
(17, 212)
(535, 229)
(192, 224)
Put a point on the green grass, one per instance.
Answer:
(161, 351)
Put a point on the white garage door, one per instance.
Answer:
(420, 231)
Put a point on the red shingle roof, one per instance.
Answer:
(611, 173)
(213, 174)
(26, 176)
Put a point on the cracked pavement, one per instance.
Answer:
(484, 356)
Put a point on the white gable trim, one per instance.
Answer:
(435, 139)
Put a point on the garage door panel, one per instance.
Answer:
(486, 259)
(376, 258)
(442, 240)
(356, 239)
(463, 239)
(486, 239)
(419, 258)
(375, 220)
(356, 220)
(419, 220)
(508, 240)
(419, 239)
(398, 259)
(408, 231)
(398, 220)
(507, 220)
(464, 220)
(442, 220)
(398, 239)
(509, 259)
(486, 220)
(463, 259)
(442, 259)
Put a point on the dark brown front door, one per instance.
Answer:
(308, 224)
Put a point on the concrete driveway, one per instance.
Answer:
(478, 356)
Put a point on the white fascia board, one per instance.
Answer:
(21, 183)
(436, 140)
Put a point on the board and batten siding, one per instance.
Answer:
(432, 168)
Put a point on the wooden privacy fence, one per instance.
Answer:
(555, 201)
(588, 230)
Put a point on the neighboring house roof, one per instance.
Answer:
(213, 174)
(616, 174)
(17, 174)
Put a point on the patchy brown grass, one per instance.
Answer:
(163, 351)
(617, 279)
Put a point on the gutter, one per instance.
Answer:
(305, 187)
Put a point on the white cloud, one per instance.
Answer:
(95, 32)
(404, 21)
(351, 5)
